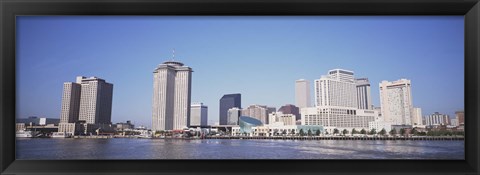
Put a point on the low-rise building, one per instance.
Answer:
(338, 117)
(280, 130)
(38, 121)
(379, 125)
(398, 128)
(19, 126)
(437, 119)
(124, 126)
(287, 119)
(252, 127)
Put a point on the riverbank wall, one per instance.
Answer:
(337, 138)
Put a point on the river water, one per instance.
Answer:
(128, 148)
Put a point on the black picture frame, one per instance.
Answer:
(11, 8)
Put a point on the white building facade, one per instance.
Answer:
(338, 117)
(437, 119)
(336, 103)
(417, 118)
(95, 100)
(198, 114)
(454, 122)
(396, 101)
(232, 115)
(171, 96)
(338, 88)
(302, 93)
(378, 125)
(286, 119)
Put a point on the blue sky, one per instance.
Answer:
(259, 57)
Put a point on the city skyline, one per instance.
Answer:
(45, 99)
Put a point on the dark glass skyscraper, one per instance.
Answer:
(226, 102)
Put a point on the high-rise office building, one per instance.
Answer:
(302, 93)
(172, 85)
(89, 101)
(396, 101)
(228, 101)
(259, 112)
(95, 100)
(198, 114)
(338, 88)
(364, 97)
(70, 102)
(460, 116)
(233, 115)
(290, 109)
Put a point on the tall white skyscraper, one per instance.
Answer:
(396, 101)
(302, 93)
(338, 88)
(198, 114)
(171, 96)
(364, 97)
(95, 100)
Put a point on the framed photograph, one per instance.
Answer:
(239, 87)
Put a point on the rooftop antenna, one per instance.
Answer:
(173, 55)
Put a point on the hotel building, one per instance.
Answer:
(396, 102)
(172, 84)
(338, 88)
(336, 103)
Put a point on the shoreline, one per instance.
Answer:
(341, 138)
(444, 138)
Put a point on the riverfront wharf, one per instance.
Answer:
(337, 138)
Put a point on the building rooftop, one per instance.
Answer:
(341, 71)
(231, 95)
(176, 63)
(250, 120)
